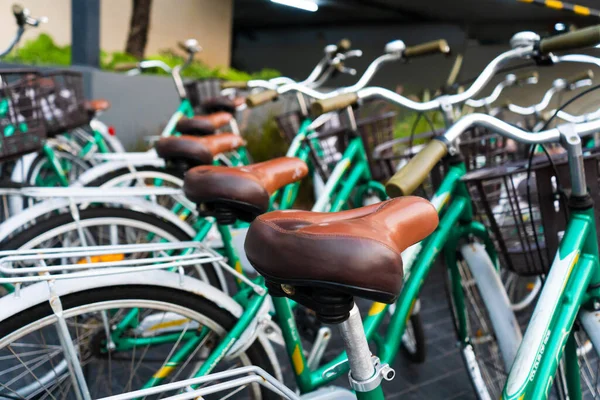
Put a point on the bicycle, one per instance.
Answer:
(252, 297)
(224, 207)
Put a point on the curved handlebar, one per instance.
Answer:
(256, 99)
(405, 181)
(137, 68)
(410, 177)
(234, 85)
(335, 103)
(485, 76)
(126, 66)
(509, 80)
(559, 85)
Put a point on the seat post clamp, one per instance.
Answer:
(382, 371)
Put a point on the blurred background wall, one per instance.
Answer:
(208, 21)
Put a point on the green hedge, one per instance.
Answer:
(44, 51)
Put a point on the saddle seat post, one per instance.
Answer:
(357, 348)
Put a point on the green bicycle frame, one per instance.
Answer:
(185, 109)
(453, 202)
(571, 284)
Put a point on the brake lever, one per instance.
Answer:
(35, 22)
(352, 53)
(25, 17)
(347, 70)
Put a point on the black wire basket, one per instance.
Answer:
(22, 128)
(289, 124)
(527, 227)
(200, 90)
(374, 131)
(388, 157)
(482, 148)
(63, 101)
(328, 144)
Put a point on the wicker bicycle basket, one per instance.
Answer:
(62, 101)
(200, 90)
(527, 221)
(22, 129)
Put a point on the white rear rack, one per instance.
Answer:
(20, 266)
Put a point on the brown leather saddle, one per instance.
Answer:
(96, 106)
(323, 260)
(189, 151)
(243, 192)
(216, 104)
(202, 125)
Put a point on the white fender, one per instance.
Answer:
(37, 210)
(39, 292)
(102, 129)
(107, 167)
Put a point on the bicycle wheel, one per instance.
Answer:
(104, 226)
(164, 322)
(490, 335)
(589, 362)
(147, 177)
(413, 340)
(41, 172)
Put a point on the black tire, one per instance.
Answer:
(416, 353)
(54, 221)
(256, 353)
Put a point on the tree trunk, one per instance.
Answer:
(138, 28)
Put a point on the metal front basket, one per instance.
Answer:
(331, 139)
(482, 148)
(374, 131)
(22, 129)
(200, 90)
(326, 149)
(289, 124)
(527, 233)
(63, 101)
(392, 155)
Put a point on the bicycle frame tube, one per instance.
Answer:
(375, 394)
(354, 156)
(184, 110)
(96, 142)
(56, 165)
(563, 294)
(290, 192)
